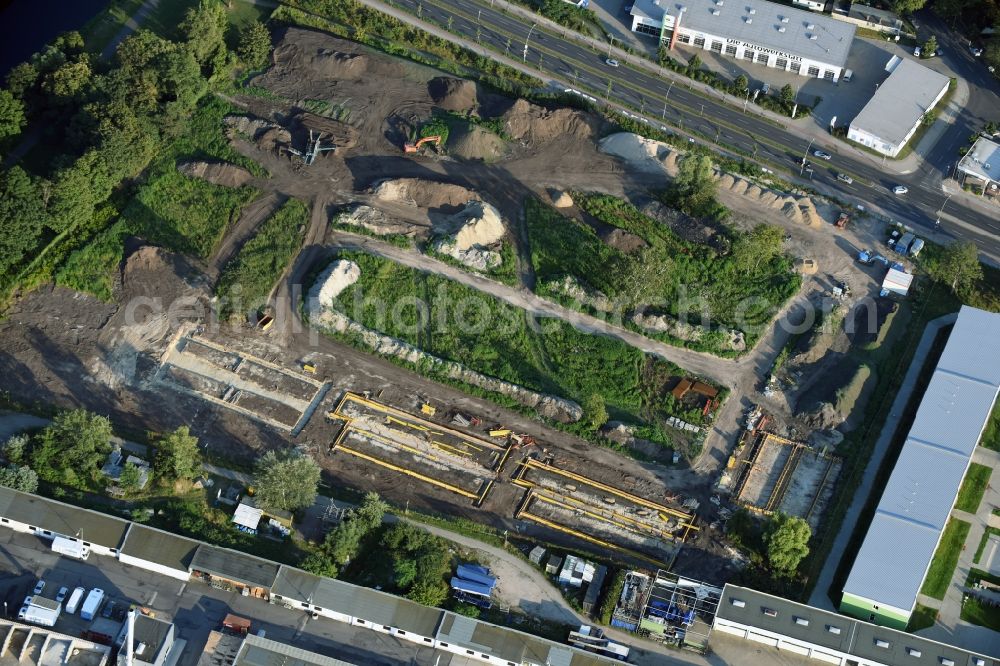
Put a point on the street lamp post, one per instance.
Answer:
(805, 155)
(746, 102)
(937, 221)
(524, 55)
(610, 45)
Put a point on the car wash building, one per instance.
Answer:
(754, 31)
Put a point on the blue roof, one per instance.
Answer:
(476, 573)
(471, 587)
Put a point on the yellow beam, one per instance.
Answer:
(409, 472)
(587, 537)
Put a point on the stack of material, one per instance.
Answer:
(474, 579)
(576, 571)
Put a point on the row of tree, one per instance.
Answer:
(104, 122)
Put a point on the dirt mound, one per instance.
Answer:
(217, 173)
(454, 94)
(475, 143)
(321, 62)
(424, 193)
(641, 153)
(536, 125)
(561, 199)
(374, 220)
(334, 279)
(332, 131)
(476, 228)
(623, 240)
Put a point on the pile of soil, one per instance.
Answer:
(424, 194)
(476, 143)
(623, 240)
(474, 230)
(323, 63)
(334, 279)
(536, 125)
(217, 173)
(451, 94)
(376, 221)
(561, 199)
(641, 153)
(332, 131)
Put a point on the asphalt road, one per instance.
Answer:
(708, 116)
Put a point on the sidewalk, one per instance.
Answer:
(819, 597)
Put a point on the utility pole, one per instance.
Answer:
(609, 47)
(669, 88)
(540, 56)
(804, 156)
(479, 27)
(607, 94)
(937, 222)
(746, 102)
(642, 105)
(702, 114)
(524, 55)
(420, 10)
(506, 50)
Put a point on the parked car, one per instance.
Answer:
(975, 51)
(916, 51)
(61, 595)
(900, 189)
(766, 88)
(822, 155)
(39, 586)
(611, 62)
(21, 613)
(844, 178)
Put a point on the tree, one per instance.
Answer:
(204, 30)
(468, 610)
(22, 209)
(255, 45)
(694, 64)
(757, 248)
(178, 456)
(320, 564)
(72, 447)
(371, 511)
(286, 481)
(741, 83)
(787, 94)
(907, 6)
(19, 478)
(930, 47)
(991, 53)
(15, 447)
(22, 79)
(595, 412)
(693, 189)
(787, 542)
(957, 266)
(643, 277)
(11, 115)
(130, 478)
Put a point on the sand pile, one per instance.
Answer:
(334, 279)
(477, 227)
(321, 62)
(423, 193)
(375, 221)
(475, 143)
(536, 125)
(561, 199)
(217, 173)
(664, 323)
(451, 94)
(641, 153)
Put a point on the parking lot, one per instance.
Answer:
(194, 608)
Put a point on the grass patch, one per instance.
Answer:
(975, 611)
(991, 433)
(263, 259)
(945, 559)
(457, 323)
(973, 488)
(671, 275)
(922, 617)
(982, 542)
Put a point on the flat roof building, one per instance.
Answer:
(893, 114)
(231, 569)
(757, 31)
(48, 519)
(915, 506)
(828, 637)
(982, 162)
(159, 551)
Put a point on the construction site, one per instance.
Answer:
(415, 447)
(601, 514)
(773, 474)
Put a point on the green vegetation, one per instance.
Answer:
(922, 618)
(956, 265)
(341, 544)
(847, 396)
(741, 289)
(505, 273)
(693, 190)
(435, 127)
(178, 457)
(285, 481)
(973, 488)
(974, 610)
(263, 259)
(351, 19)
(19, 477)
(612, 594)
(987, 533)
(254, 45)
(70, 450)
(945, 559)
(457, 323)
(787, 541)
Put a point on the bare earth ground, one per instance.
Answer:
(68, 349)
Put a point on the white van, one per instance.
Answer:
(848, 75)
(70, 548)
(74, 600)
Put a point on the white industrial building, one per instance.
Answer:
(982, 164)
(915, 506)
(757, 31)
(895, 111)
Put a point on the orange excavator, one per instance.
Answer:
(414, 147)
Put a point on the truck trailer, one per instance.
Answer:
(92, 604)
(74, 600)
(70, 548)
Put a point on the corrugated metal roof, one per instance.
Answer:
(257, 651)
(831, 46)
(153, 545)
(470, 586)
(924, 484)
(64, 519)
(234, 566)
(900, 101)
(855, 637)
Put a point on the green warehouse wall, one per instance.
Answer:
(863, 609)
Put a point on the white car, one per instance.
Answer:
(611, 62)
(976, 51)
(916, 51)
(822, 155)
(900, 189)
(39, 587)
(61, 596)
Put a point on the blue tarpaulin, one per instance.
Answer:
(476, 574)
(470, 587)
